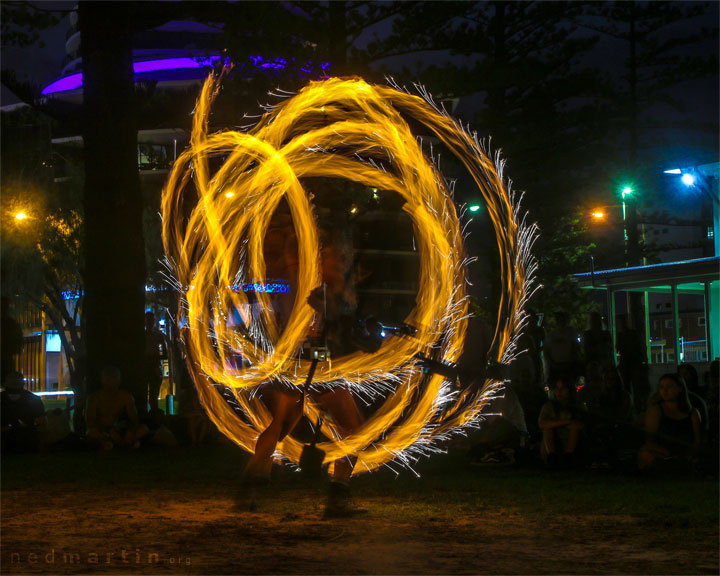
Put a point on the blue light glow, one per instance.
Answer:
(688, 179)
(270, 287)
(71, 294)
(52, 342)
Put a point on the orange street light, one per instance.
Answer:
(20, 216)
(598, 214)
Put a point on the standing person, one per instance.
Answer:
(632, 364)
(23, 416)
(155, 353)
(672, 425)
(112, 419)
(597, 343)
(562, 349)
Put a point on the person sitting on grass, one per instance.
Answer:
(112, 419)
(560, 421)
(23, 416)
(672, 425)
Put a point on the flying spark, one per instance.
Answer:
(349, 129)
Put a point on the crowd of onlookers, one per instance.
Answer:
(567, 403)
(584, 408)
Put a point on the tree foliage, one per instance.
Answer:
(22, 22)
(42, 254)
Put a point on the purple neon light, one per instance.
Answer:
(71, 82)
(75, 81)
(173, 64)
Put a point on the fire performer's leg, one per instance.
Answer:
(286, 408)
(340, 404)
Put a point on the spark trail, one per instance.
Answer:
(214, 225)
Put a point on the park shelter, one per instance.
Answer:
(700, 276)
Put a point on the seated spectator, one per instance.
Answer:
(561, 421)
(112, 419)
(672, 425)
(504, 432)
(23, 416)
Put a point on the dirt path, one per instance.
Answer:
(153, 531)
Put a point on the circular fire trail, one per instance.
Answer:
(217, 206)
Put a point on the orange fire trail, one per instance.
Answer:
(337, 128)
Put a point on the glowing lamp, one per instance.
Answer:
(21, 216)
(626, 191)
(598, 214)
(474, 207)
(688, 179)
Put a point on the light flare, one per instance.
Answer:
(337, 128)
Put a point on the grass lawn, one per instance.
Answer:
(165, 511)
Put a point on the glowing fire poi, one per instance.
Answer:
(339, 128)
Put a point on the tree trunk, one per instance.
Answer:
(337, 37)
(114, 268)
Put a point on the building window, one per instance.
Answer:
(701, 321)
(668, 323)
(710, 233)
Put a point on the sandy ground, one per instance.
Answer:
(168, 531)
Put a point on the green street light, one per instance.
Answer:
(474, 207)
(625, 191)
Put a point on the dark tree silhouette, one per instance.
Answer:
(114, 269)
